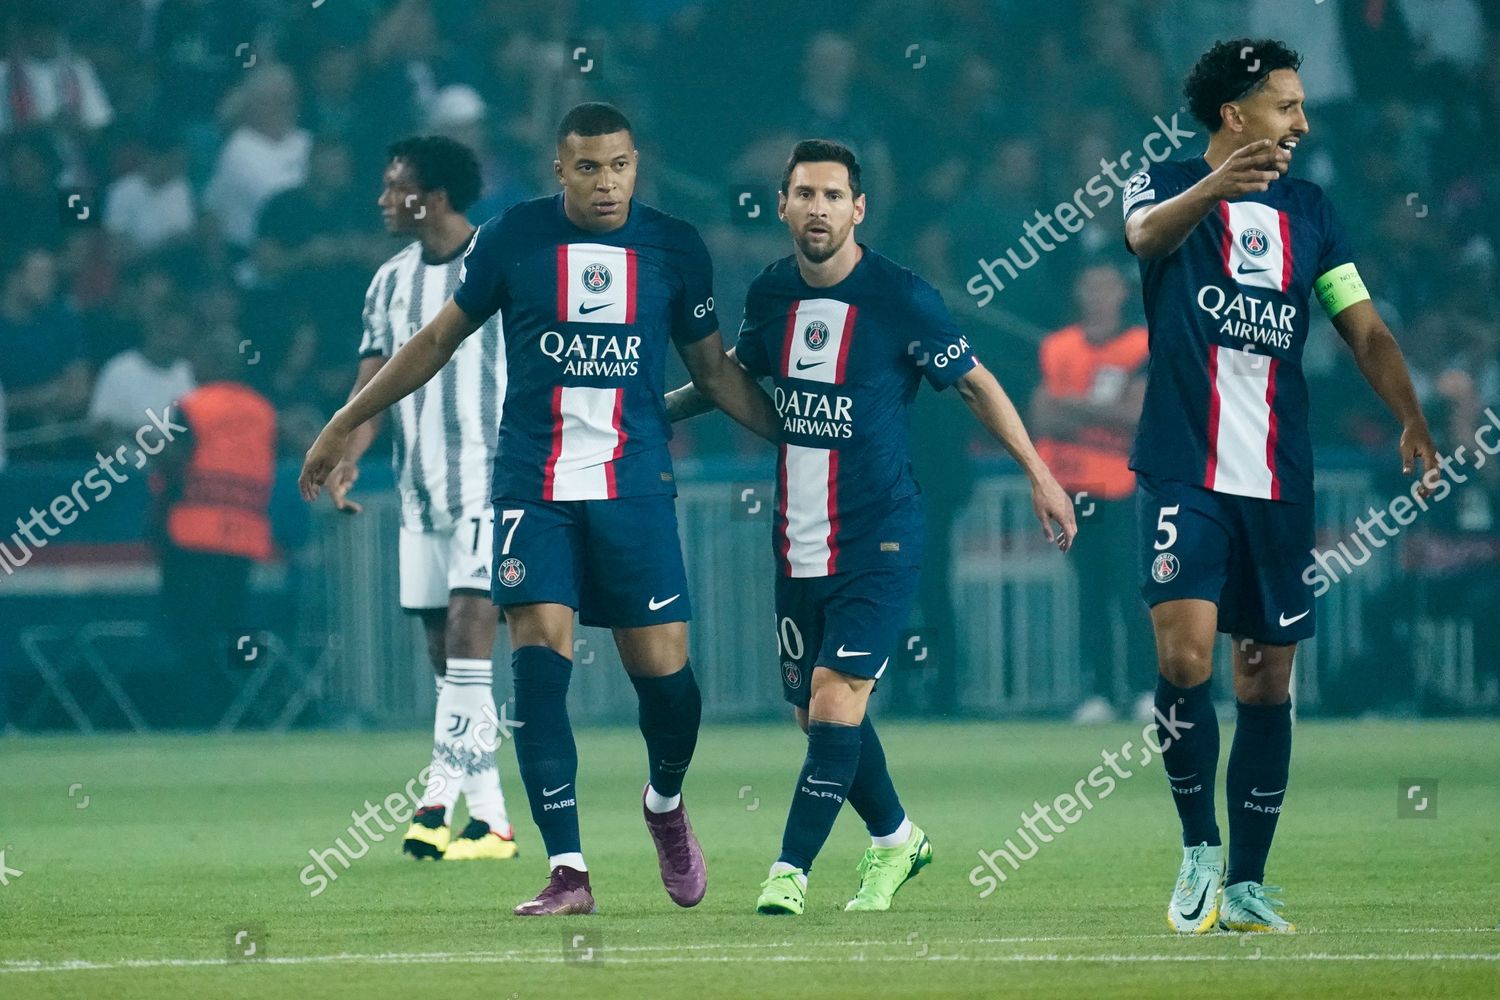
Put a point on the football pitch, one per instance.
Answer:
(171, 866)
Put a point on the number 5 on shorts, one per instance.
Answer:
(1167, 527)
(513, 518)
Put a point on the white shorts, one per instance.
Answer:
(436, 563)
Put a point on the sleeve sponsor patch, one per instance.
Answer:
(1138, 190)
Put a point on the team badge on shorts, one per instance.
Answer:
(1164, 568)
(596, 278)
(815, 335)
(1255, 241)
(791, 674)
(512, 571)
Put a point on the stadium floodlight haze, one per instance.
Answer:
(703, 497)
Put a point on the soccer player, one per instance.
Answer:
(1230, 250)
(846, 336)
(592, 286)
(444, 442)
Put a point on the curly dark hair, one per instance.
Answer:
(1231, 70)
(593, 118)
(441, 163)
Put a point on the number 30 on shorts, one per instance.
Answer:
(790, 638)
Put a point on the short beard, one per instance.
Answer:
(817, 256)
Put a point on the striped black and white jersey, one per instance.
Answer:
(445, 433)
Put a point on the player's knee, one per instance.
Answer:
(1271, 686)
(1184, 664)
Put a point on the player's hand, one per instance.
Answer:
(1247, 170)
(340, 481)
(1052, 504)
(1416, 443)
(326, 452)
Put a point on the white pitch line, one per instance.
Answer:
(552, 958)
(720, 953)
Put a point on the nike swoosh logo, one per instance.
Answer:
(1261, 794)
(1242, 269)
(584, 310)
(547, 793)
(844, 654)
(1285, 621)
(1173, 777)
(656, 605)
(802, 368)
(1198, 910)
(815, 781)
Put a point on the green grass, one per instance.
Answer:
(184, 838)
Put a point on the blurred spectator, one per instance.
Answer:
(42, 364)
(459, 113)
(267, 152)
(152, 377)
(317, 246)
(153, 204)
(30, 215)
(1084, 415)
(42, 82)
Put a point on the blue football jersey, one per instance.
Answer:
(846, 362)
(1226, 401)
(588, 317)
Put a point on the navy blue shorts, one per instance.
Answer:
(849, 622)
(1245, 554)
(618, 563)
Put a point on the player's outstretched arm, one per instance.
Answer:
(1384, 367)
(685, 402)
(993, 407)
(719, 381)
(419, 360)
(344, 475)
(1157, 230)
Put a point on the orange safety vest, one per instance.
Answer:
(1097, 458)
(226, 489)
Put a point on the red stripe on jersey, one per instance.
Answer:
(562, 282)
(838, 374)
(786, 340)
(1213, 416)
(616, 421)
(1271, 418)
(629, 291)
(833, 499)
(1226, 245)
(1286, 253)
(549, 471)
(784, 543)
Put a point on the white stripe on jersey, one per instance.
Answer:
(446, 432)
(1257, 249)
(806, 495)
(586, 437)
(816, 349)
(1242, 443)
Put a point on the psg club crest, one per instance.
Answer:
(1164, 568)
(512, 571)
(1255, 241)
(596, 278)
(815, 335)
(791, 674)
